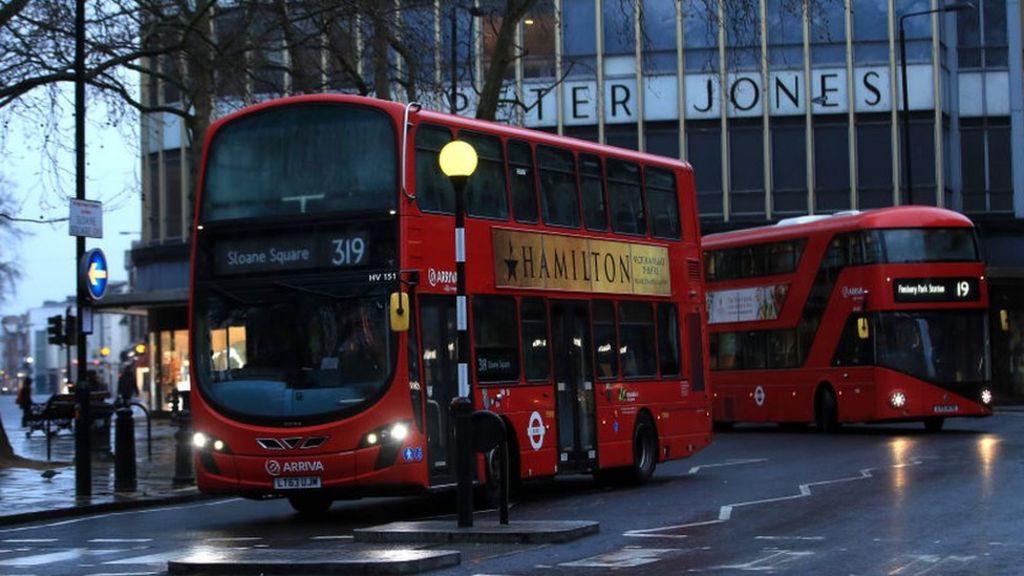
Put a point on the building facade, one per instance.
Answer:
(784, 108)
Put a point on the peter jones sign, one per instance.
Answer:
(786, 94)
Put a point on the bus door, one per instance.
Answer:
(574, 395)
(440, 369)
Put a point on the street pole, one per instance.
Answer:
(458, 160)
(906, 113)
(454, 64)
(83, 416)
(954, 7)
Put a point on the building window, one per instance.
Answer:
(539, 41)
(172, 191)
(871, 32)
(617, 18)
(578, 45)
(874, 162)
(746, 168)
(987, 176)
(785, 34)
(831, 165)
(789, 167)
(827, 31)
(704, 150)
(981, 35)
(922, 158)
(659, 29)
(700, 31)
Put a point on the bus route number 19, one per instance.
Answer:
(963, 289)
(348, 251)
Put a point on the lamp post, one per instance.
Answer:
(954, 7)
(458, 161)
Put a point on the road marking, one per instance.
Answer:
(62, 556)
(774, 560)
(235, 539)
(924, 563)
(161, 558)
(123, 574)
(120, 540)
(628, 557)
(807, 538)
(342, 537)
(725, 512)
(29, 540)
(734, 462)
(116, 514)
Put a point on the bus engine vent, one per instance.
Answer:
(291, 443)
(693, 269)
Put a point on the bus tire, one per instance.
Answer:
(310, 504)
(826, 410)
(645, 451)
(934, 424)
(722, 426)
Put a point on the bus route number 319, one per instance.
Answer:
(348, 251)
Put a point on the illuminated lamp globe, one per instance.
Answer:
(458, 158)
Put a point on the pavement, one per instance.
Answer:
(26, 495)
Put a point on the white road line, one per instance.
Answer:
(28, 540)
(804, 538)
(628, 557)
(161, 558)
(775, 559)
(120, 540)
(734, 462)
(62, 556)
(725, 512)
(116, 514)
(123, 574)
(233, 539)
(332, 537)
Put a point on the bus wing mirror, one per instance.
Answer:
(1004, 320)
(399, 312)
(863, 329)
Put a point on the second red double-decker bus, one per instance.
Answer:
(856, 317)
(324, 225)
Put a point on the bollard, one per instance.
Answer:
(462, 414)
(124, 451)
(184, 472)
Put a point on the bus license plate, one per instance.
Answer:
(946, 408)
(296, 482)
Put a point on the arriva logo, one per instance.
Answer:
(436, 277)
(273, 467)
(854, 292)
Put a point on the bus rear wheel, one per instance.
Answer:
(826, 411)
(934, 424)
(310, 504)
(645, 451)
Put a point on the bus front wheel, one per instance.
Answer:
(934, 424)
(826, 411)
(310, 505)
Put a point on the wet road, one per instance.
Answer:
(871, 500)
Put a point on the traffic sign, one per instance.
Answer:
(86, 218)
(92, 272)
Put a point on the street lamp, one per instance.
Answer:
(458, 161)
(954, 7)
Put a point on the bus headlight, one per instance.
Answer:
(202, 441)
(986, 396)
(898, 399)
(399, 432)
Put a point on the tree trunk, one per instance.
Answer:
(494, 77)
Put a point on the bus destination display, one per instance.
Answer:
(936, 290)
(293, 252)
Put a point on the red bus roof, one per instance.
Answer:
(802, 226)
(397, 109)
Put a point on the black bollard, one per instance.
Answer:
(124, 451)
(184, 471)
(462, 414)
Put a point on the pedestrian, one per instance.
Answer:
(127, 388)
(24, 400)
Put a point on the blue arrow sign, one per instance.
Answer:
(93, 272)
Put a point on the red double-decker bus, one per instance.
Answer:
(323, 305)
(874, 316)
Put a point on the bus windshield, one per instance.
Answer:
(287, 352)
(301, 159)
(905, 245)
(949, 347)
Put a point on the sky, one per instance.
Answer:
(45, 255)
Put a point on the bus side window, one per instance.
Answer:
(434, 192)
(495, 335)
(637, 344)
(605, 342)
(560, 204)
(521, 177)
(625, 200)
(485, 190)
(664, 202)
(536, 359)
(668, 340)
(595, 215)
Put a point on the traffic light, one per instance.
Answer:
(71, 330)
(55, 330)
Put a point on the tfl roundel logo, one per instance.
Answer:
(273, 467)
